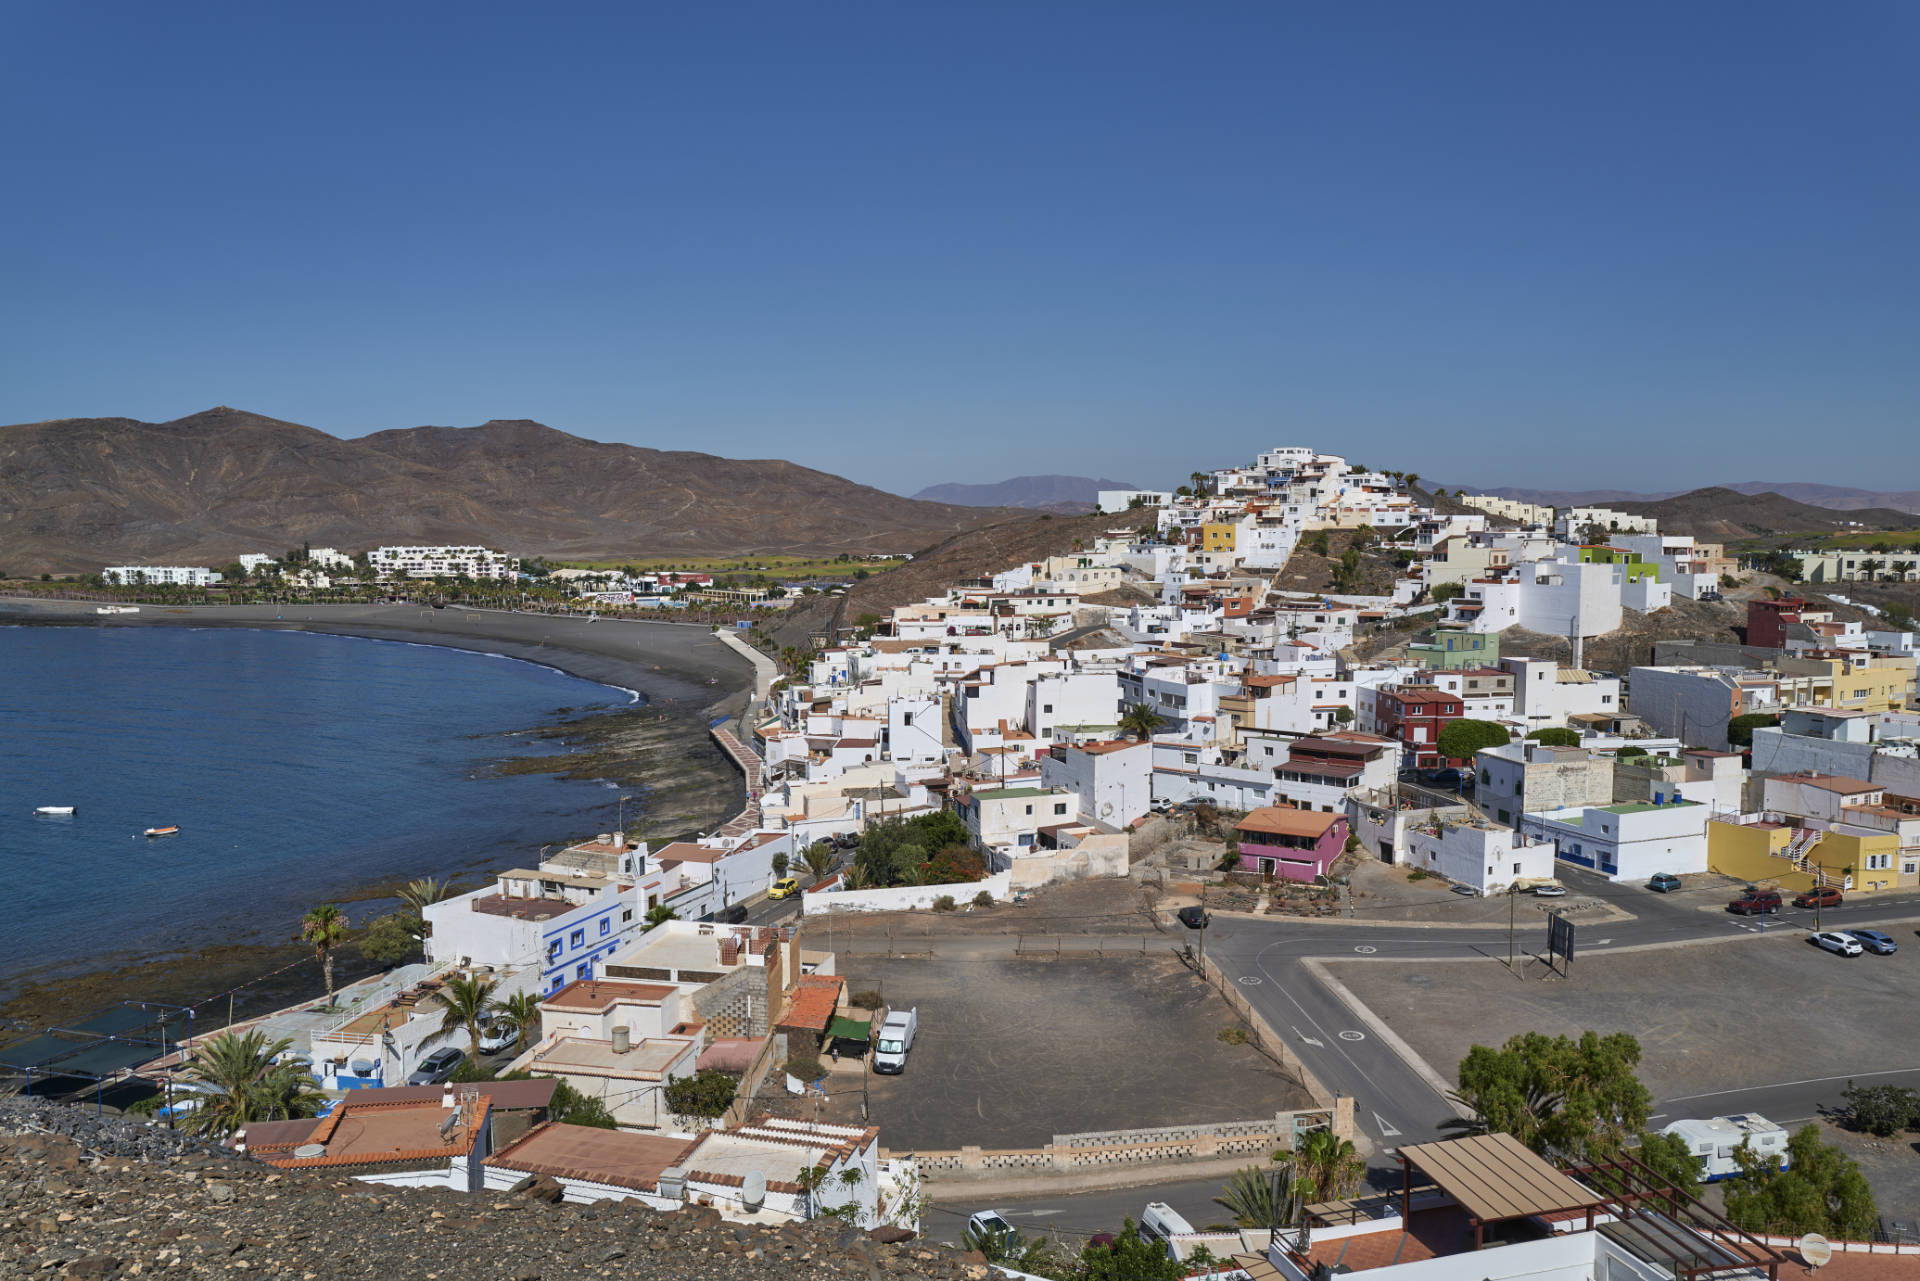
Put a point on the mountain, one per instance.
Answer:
(77, 493)
(1724, 514)
(1835, 497)
(1048, 493)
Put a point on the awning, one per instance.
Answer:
(849, 1029)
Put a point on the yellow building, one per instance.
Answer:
(1219, 537)
(1790, 857)
(1872, 685)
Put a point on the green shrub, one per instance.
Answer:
(805, 1068)
(983, 899)
(1554, 737)
(944, 903)
(866, 1000)
(1234, 1035)
(707, 1093)
(147, 1106)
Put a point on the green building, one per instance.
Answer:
(1450, 649)
(1632, 568)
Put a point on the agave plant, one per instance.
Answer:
(1260, 1198)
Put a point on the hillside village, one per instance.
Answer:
(1157, 710)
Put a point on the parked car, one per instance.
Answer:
(497, 1036)
(733, 913)
(895, 1039)
(1824, 896)
(988, 1225)
(1194, 918)
(1663, 883)
(1448, 778)
(1160, 1222)
(1836, 941)
(438, 1067)
(1876, 942)
(847, 840)
(785, 887)
(1465, 891)
(1549, 891)
(1755, 903)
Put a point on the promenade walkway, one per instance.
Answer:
(749, 762)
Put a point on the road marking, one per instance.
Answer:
(1656, 1116)
(1386, 1129)
(1599, 942)
(1353, 1036)
(1248, 979)
(1304, 1037)
(1366, 948)
(1036, 1214)
(1782, 1085)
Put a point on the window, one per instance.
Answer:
(553, 950)
(1046, 707)
(907, 720)
(606, 926)
(626, 917)
(583, 971)
(578, 938)
(1516, 869)
(1029, 809)
(1060, 807)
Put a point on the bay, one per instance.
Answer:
(297, 766)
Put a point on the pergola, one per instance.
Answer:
(1495, 1178)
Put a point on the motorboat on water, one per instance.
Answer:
(163, 831)
(56, 809)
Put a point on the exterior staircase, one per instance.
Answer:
(1799, 852)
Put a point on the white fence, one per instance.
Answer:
(903, 898)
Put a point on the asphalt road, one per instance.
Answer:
(1394, 1103)
(1070, 1220)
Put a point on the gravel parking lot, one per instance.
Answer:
(1710, 1016)
(1012, 1052)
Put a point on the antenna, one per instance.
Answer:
(1816, 1250)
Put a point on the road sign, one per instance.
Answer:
(1560, 938)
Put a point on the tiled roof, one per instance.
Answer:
(598, 994)
(620, 1158)
(1288, 822)
(814, 1002)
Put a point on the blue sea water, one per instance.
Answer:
(295, 765)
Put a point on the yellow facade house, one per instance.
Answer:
(1219, 536)
(1796, 858)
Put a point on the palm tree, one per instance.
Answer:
(1413, 480)
(1871, 567)
(819, 859)
(428, 889)
(469, 1003)
(522, 1009)
(1141, 720)
(1260, 1198)
(325, 927)
(1327, 1165)
(1901, 568)
(247, 1085)
(780, 865)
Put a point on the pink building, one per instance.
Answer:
(1295, 844)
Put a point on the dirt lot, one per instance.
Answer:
(1012, 1052)
(1712, 1016)
(1106, 906)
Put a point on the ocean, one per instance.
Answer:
(296, 766)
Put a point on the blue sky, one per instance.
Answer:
(1648, 245)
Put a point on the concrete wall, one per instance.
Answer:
(903, 898)
(1095, 856)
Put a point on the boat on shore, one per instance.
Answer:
(116, 609)
(162, 831)
(55, 809)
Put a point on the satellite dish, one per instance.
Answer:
(1816, 1250)
(753, 1190)
(308, 1151)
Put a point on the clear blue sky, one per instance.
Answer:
(1642, 245)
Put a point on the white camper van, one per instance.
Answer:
(895, 1039)
(1713, 1142)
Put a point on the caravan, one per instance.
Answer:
(1713, 1143)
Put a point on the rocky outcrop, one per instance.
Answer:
(87, 1197)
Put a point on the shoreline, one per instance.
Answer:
(680, 675)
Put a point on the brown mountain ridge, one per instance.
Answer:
(78, 493)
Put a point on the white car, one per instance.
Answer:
(1835, 941)
(496, 1037)
(988, 1225)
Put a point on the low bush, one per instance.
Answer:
(983, 899)
(802, 1068)
(867, 1000)
(1234, 1035)
(944, 903)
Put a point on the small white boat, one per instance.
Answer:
(55, 809)
(163, 831)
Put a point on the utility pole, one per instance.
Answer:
(1512, 890)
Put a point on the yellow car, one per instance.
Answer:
(785, 887)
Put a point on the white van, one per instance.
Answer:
(895, 1039)
(1160, 1222)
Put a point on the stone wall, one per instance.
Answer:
(1107, 1149)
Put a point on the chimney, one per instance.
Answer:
(622, 1039)
(446, 1095)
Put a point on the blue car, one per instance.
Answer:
(1874, 941)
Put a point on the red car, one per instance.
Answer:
(1754, 904)
(1825, 896)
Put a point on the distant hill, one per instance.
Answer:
(1723, 514)
(77, 493)
(1047, 493)
(1836, 497)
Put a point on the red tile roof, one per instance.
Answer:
(814, 1001)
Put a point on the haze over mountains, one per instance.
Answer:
(77, 493)
(1837, 497)
(1045, 493)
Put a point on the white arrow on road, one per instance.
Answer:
(1386, 1130)
(1309, 1040)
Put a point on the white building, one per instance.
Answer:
(1558, 597)
(442, 562)
(1113, 780)
(1474, 852)
(1546, 694)
(160, 575)
(1119, 500)
(1627, 842)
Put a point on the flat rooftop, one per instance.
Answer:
(523, 909)
(648, 1060)
(1642, 807)
(617, 1157)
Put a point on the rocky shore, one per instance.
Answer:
(89, 1198)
